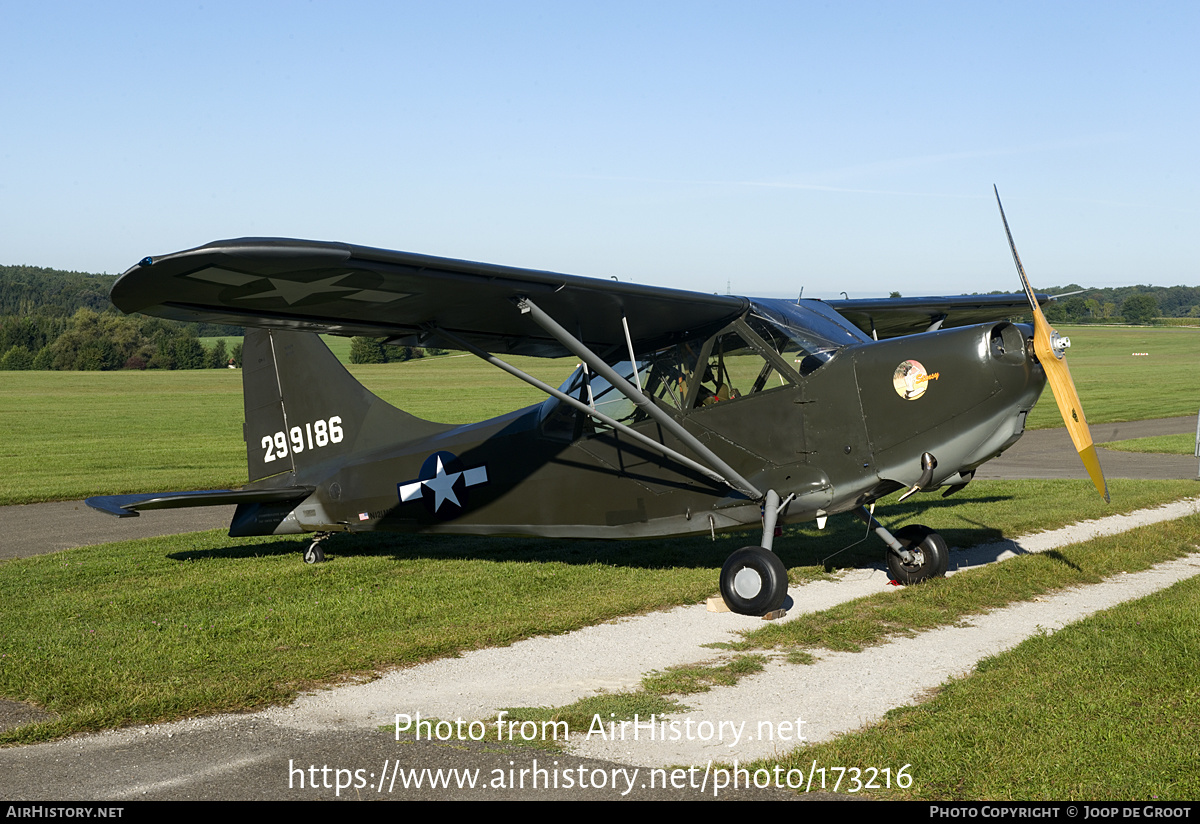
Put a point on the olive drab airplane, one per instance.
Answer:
(688, 413)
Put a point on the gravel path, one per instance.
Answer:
(839, 693)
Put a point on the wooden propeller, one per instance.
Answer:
(1050, 350)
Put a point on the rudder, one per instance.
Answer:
(304, 410)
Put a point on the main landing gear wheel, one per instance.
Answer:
(753, 581)
(314, 554)
(930, 555)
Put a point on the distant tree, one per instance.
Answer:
(1139, 309)
(367, 350)
(17, 358)
(1076, 309)
(44, 359)
(218, 356)
(895, 295)
(1055, 312)
(188, 351)
(236, 354)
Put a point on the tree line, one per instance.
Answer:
(374, 350)
(1122, 304)
(91, 340)
(53, 319)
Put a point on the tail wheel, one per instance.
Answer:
(930, 555)
(753, 581)
(314, 554)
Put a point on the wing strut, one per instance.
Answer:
(727, 473)
(582, 407)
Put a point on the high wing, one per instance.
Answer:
(893, 317)
(355, 290)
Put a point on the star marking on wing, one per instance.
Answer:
(294, 291)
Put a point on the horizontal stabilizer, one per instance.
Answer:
(127, 506)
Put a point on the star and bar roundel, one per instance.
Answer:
(442, 484)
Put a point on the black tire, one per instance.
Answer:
(753, 581)
(314, 554)
(932, 555)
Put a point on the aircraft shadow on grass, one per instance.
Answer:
(843, 539)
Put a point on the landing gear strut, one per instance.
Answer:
(915, 552)
(930, 557)
(314, 554)
(753, 580)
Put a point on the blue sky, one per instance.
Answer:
(757, 146)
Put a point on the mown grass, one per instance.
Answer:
(168, 628)
(1115, 384)
(941, 601)
(1105, 709)
(1184, 444)
(74, 434)
(173, 627)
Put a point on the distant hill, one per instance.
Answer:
(36, 292)
(31, 290)
(51, 319)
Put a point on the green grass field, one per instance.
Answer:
(168, 628)
(73, 434)
(1105, 709)
(193, 624)
(1159, 444)
(1129, 374)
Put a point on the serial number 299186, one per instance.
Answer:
(313, 435)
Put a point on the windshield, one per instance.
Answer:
(807, 334)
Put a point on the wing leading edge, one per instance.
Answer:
(344, 289)
(354, 290)
(893, 317)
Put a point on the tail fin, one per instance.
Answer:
(304, 410)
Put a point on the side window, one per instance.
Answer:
(734, 369)
(664, 375)
(670, 374)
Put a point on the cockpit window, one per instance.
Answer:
(807, 334)
(737, 366)
(665, 375)
(777, 343)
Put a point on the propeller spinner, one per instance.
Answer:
(1050, 349)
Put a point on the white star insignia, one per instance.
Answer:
(442, 483)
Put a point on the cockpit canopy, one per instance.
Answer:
(774, 344)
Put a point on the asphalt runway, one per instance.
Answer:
(242, 757)
(1049, 453)
(34, 529)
